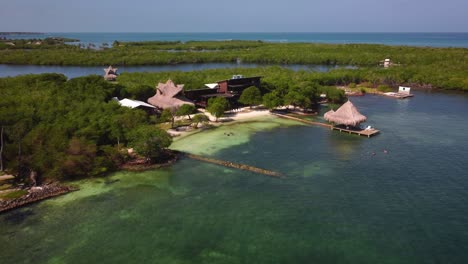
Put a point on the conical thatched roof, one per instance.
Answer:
(169, 95)
(347, 114)
(110, 73)
(110, 70)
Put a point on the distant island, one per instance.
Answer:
(443, 68)
(34, 42)
(21, 33)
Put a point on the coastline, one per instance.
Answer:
(36, 194)
(233, 117)
(51, 190)
(435, 39)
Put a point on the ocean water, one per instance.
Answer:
(338, 203)
(409, 39)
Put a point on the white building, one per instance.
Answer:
(404, 90)
(134, 103)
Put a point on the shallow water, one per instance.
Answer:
(338, 203)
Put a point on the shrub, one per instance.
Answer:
(384, 88)
(365, 84)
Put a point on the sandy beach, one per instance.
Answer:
(239, 115)
(232, 116)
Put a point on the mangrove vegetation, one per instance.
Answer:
(69, 129)
(443, 68)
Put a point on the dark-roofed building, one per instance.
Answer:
(230, 89)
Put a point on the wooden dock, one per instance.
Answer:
(398, 95)
(303, 121)
(364, 132)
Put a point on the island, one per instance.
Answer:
(56, 130)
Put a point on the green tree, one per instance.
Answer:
(80, 157)
(140, 92)
(125, 120)
(186, 109)
(217, 106)
(310, 94)
(200, 118)
(149, 141)
(251, 96)
(384, 88)
(272, 100)
(294, 97)
(335, 95)
(168, 115)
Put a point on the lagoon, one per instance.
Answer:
(338, 203)
(78, 71)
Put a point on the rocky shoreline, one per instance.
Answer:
(168, 158)
(36, 194)
(239, 166)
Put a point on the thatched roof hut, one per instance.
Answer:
(169, 95)
(347, 114)
(110, 74)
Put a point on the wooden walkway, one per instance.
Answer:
(303, 121)
(398, 95)
(6, 177)
(365, 132)
(235, 165)
(368, 133)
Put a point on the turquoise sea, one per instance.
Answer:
(338, 203)
(410, 39)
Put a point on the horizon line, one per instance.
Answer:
(243, 32)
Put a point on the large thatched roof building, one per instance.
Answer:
(347, 115)
(169, 95)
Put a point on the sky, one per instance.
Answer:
(234, 16)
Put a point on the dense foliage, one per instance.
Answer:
(251, 96)
(437, 67)
(200, 118)
(186, 109)
(66, 128)
(281, 86)
(72, 128)
(217, 106)
(149, 141)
